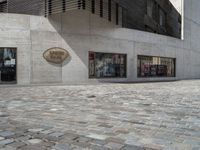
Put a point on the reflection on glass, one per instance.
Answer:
(7, 65)
(103, 65)
(149, 66)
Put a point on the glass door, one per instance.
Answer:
(8, 65)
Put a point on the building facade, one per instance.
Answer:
(98, 41)
(157, 16)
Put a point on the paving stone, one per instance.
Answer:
(66, 140)
(96, 147)
(36, 130)
(83, 139)
(81, 144)
(2, 138)
(31, 147)
(6, 134)
(8, 148)
(105, 125)
(46, 132)
(182, 146)
(196, 148)
(122, 131)
(52, 138)
(16, 135)
(23, 138)
(153, 147)
(128, 147)
(192, 142)
(17, 144)
(114, 146)
(97, 136)
(56, 134)
(71, 136)
(3, 115)
(79, 148)
(34, 141)
(47, 144)
(39, 136)
(62, 147)
(6, 141)
(98, 142)
(134, 142)
(115, 140)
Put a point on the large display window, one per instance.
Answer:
(107, 65)
(8, 65)
(150, 66)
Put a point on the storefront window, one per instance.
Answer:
(149, 66)
(105, 65)
(7, 65)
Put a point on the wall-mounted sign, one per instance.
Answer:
(56, 55)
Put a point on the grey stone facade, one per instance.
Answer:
(79, 32)
(142, 15)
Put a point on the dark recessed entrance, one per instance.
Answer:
(8, 65)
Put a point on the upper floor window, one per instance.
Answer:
(162, 18)
(151, 8)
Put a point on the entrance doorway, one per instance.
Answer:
(8, 65)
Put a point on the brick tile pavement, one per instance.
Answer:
(146, 116)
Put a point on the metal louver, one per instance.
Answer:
(107, 9)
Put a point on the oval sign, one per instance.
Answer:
(56, 55)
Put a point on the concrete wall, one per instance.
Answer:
(80, 32)
(15, 32)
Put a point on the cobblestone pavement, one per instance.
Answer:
(147, 116)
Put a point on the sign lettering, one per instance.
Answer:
(56, 55)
